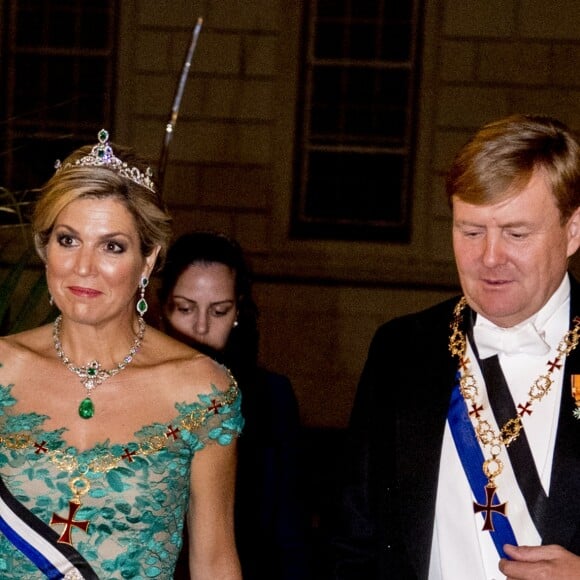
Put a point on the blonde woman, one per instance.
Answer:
(110, 431)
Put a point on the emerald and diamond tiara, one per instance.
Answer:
(102, 155)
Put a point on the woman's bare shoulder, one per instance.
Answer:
(34, 342)
(25, 354)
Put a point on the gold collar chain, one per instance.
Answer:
(489, 438)
(77, 467)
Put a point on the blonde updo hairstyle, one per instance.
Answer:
(72, 182)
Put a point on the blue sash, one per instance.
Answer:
(472, 460)
(38, 541)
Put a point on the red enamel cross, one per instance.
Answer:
(523, 409)
(463, 363)
(172, 432)
(40, 447)
(128, 455)
(215, 406)
(554, 364)
(69, 523)
(488, 508)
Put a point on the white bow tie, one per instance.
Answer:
(491, 340)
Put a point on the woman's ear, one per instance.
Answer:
(150, 261)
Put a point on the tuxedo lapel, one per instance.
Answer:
(420, 437)
(563, 525)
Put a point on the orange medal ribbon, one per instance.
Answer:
(575, 380)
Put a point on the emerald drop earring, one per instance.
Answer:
(142, 305)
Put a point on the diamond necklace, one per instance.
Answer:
(93, 374)
(488, 437)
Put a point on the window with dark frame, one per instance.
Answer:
(57, 77)
(355, 135)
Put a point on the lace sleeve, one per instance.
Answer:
(215, 418)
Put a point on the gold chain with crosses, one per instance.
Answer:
(79, 484)
(489, 438)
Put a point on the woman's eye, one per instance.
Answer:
(65, 240)
(183, 309)
(219, 313)
(115, 247)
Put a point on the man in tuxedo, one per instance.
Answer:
(464, 439)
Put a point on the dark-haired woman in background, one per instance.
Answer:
(206, 301)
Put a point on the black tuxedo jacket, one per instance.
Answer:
(385, 523)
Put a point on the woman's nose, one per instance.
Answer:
(84, 261)
(201, 324)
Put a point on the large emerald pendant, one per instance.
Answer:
(86, 408)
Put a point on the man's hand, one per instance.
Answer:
(540, 563)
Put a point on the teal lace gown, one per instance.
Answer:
(133, 496)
